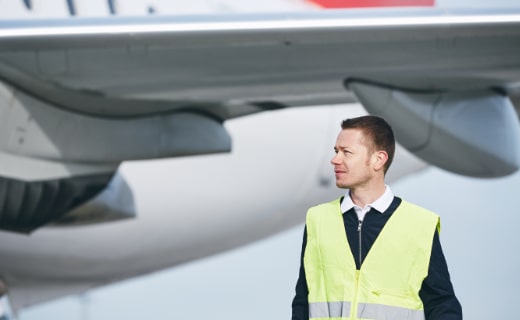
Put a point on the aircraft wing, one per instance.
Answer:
(80, 96)
(228, 66)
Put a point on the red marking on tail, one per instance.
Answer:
(372, 3)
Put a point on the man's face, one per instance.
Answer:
(352, 162)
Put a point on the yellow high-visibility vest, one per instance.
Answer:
(387, 285)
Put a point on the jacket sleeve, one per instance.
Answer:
(300, 304)
(437, 294)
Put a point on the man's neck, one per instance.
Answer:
(362, 196)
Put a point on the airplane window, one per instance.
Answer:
(27, 4)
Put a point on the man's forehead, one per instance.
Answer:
(350, 138)
(350, 135)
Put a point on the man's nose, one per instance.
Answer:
(335, 160)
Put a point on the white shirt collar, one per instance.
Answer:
(380, 204)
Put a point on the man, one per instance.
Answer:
(369, 254)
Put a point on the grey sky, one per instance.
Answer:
(257, 281)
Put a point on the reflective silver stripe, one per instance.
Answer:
(335, 309)
(384, 312)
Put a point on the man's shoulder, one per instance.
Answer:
(416, 209)
(413, 206)
(327, 206)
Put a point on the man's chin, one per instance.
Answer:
(341, 185)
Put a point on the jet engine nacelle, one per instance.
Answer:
(473, 133)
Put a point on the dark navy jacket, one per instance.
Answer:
(437, 295)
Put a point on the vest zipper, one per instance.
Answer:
(359, 240)
(354, 309)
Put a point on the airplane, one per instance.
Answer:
(133, 144)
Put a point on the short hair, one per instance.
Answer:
(377, 131)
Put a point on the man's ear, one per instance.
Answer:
(380, 158)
